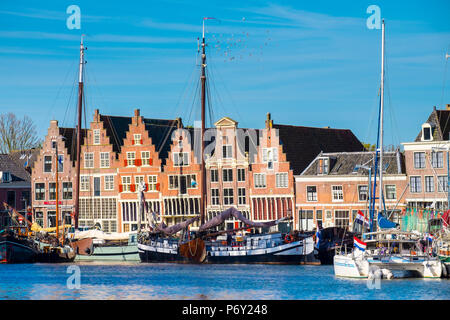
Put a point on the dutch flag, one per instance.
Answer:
(359, 244)
(360, 218)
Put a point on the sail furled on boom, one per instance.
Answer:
(384, 223)
(175, 228)
(233, 212)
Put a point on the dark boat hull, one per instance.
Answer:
(293, 253)
(17, 251)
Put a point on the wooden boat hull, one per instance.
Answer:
(83, 246)
(16, 251)
(298, 252)
(55, 255)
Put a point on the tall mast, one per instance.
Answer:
(381, 118)
(80, 108)
(203, 101)
(57, 190)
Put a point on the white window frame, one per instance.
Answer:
(386, 191)
(240, 174)
(314, 194)
(215, 196)
(242, 200)
(109, 182)
(282, 180)
(86, 184)
(152, 181)
(184, 159)
(126, 183)
(227, 175)
(137, 137)
(215, 175)
(131, 159)
(415, 185)
(89, 160)
(424, 165)
(428, 185)
(337, 195)
(227, 197)
(96, 136)
(359, 192)
(227, 151)
(104, 160)
(442, 183)
(145, 156)
(260, 181)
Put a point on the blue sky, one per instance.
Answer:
(311, 63)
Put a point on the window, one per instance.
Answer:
(96, 136)
(415, 184)
(342, 218)
(281, 180)
(67, 190)
(173, 182)
(11, 198)
(39, 191)
(96, 186)
(191, 181)
(131, 157)
(319, 218)
(260, 180)
(26, 198)
(322, 166)
(104, 159)
(137, 181)
(88, 159)
(241, 196)
(214, 175)
(270, 155)
(306, 220)
(426, 129)
(126, 184)
(137, 139)
(6, 177)
(52, 191)
(47, 163)
(180, 159)
(442, 183)
(227, 175)
(227, 151)
(84, 183)
(241, 174)
(60, 163)
(363, 193)
(419, 160)
(215, 196)
(437, 159)
(109, 182)
(152, 180)
(228, 197)
(429, 184)
(337, 193)
(391, 193)
(311, 193)
(145, 155)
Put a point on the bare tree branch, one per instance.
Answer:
(16, 134)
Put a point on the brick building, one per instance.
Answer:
(426, 162)
(336, 185)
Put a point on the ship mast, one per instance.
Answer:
(80, 107)
(203, 102)
(381, 118)
(57, 190)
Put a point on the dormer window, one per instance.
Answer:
(6, 176)
(323, 165)
(427, 132)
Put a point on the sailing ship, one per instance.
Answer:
(389, 249)
(329, 239)
(16, 243)
(206, 245)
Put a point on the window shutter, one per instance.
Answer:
(157, 186)
(138, 162)
(120, 188)
(132, 187)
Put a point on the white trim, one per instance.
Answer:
(343, 179)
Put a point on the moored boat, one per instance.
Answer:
(16, 246)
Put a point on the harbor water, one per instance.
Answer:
(175, 281)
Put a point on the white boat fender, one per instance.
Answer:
(376, 274)
(444, 270)
(387, 274)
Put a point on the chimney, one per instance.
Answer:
(53, 123)
(137, 112)
(178, 123)
(136, 118)
(96, 115)
(269, 121)
(447, 107)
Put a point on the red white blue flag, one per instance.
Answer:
(359, 244)
(360, 218)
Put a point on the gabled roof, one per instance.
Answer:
(116, 129)
(345, 163)
(160, 131)
(26, 158)
(17, 171)
(303, 144)
(440, 121)
(70, 140)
